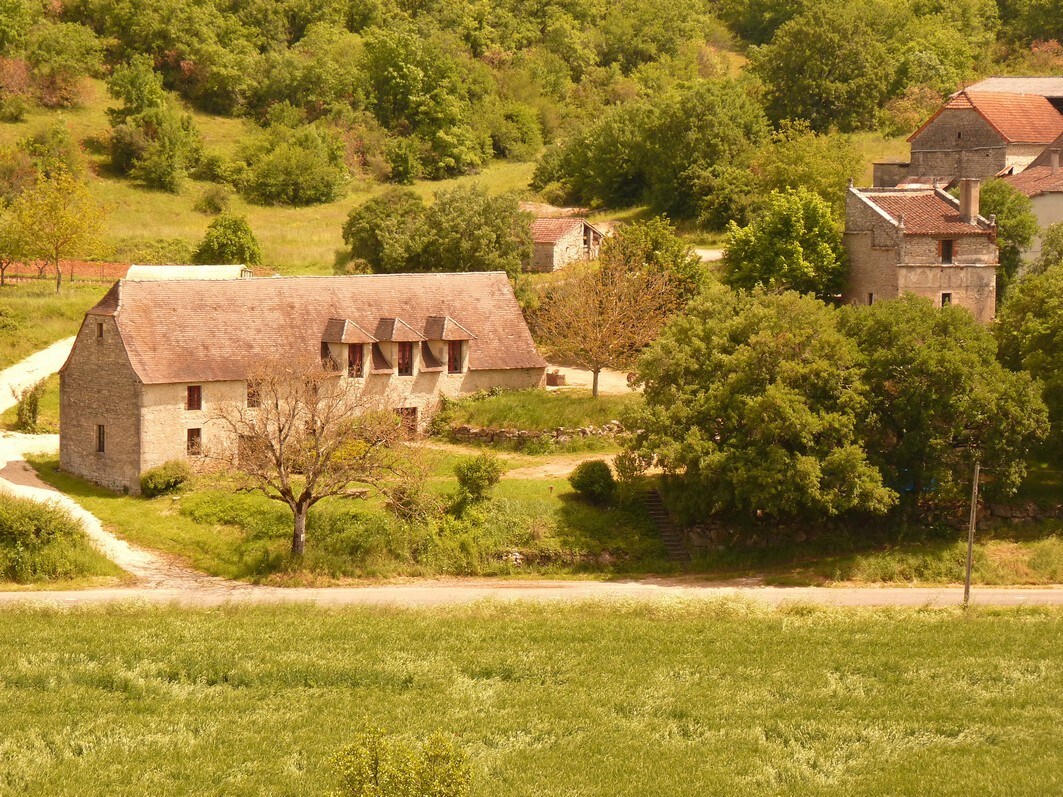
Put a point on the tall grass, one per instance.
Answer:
(670, 700)
(33, 316)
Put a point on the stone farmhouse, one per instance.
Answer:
(153, 358)
(922, 241)
(1042, 182)
(995, 127)
(558, 242)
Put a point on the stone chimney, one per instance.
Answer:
(970, 194)
(1053, 159)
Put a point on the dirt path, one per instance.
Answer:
(31, 370)
(609, 382)
(558, 467)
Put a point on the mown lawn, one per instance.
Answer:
(671, 700)
(33, 316)
(538, 410)
(247, 536)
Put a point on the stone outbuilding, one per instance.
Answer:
(978, 133)
(922, 241)
(154, 359)
(1042, 182)
(558, 242)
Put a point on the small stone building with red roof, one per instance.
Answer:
(558, 242)
(1042, 182)
(980, 134)
(922, 241)
(154, 359)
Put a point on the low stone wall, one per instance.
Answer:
(475, 434)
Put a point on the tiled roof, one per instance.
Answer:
(1019, 118)
(398, 330)
(1045, 158)
(343, 330)
(1040, 86)
(1037, 180)
(550, 231)
(190, 331)
(446, 328)
(924, 211)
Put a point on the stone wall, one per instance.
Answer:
(475, 434)
(871, 245)
(958, 143)
(97, 387)
(548, 257)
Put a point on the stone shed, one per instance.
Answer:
(558, 242)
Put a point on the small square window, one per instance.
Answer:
(946, 299)
(194, 400)
(99, 330)
(454, 357)
(101, 439)
(195, 442)
(405, 359)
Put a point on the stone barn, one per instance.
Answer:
(1042, 182)
(922, 241)
(558, 242)
(977, 134)
(154, 358)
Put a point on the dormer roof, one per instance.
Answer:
(343, 330)
(445, 328)
(397, 330)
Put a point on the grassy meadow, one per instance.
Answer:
(33, 316)
(48, 419)
(247, 536)
(735, 700)
(538, 410)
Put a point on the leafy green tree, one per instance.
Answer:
(301, 165)
(1051, 248)
(653, 246)
(1029, 331)
(825, 67)
(795, 244)
(1016, 226)
(387, 233)
(939, 397)
(756, 21)
(16, 20)
(137, 86)
(61, 54)
(228, 240)
(753, 405)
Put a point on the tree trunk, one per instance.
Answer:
(299, 534)
(58, 276)
(594, 383)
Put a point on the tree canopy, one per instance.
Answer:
(228, 240)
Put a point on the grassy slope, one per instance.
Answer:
(734, 700)
(32, 316)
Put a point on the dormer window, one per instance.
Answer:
(454, 356)
(405, 358)
(355, 360)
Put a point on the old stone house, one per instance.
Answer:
(154, 358)
(978, 133)
(1042, 182)
(922, 241)
(558, 242)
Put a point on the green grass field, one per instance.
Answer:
(672, 700)
(539, 410)
(33, 316)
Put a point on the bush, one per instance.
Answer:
(40, 541)
(228, 240)
(477, 475)
(594, 481)
(300, 166)
(28, 406)
(378, 765)
(213, 201)
(165, 478)
(630, 468)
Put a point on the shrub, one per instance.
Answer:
(13, 108)
(32, 525)
(300, 166)
(28, 406)
(228, 239)
(630, 467)
(378, 765)
(213, 201)
(477, 475)
(594, 481)
(165, 478)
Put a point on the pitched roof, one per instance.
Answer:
(191, 331)
(1019, 118)
(1037, 180)
(343, 330)
(550, 231)
(1045, 158)
(1040, 86)
(398, 330)
(445, 328)
(925, 211)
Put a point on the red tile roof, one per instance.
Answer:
(550, 231)
(924, 211)
(190, 331)
(1037, 180)
(1019, 118)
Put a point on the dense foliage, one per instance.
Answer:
(228, 240)
(164, 478)
(594, 481)
(40, 542)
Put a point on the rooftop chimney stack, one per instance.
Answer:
(1054, 160)
(970, 195)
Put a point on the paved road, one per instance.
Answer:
(31, 370)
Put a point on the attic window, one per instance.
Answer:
(405, 359)
(326, 357)
(99, 330)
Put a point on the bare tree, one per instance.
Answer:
(306, 433)
(605, 316)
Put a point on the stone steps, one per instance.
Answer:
(673, 540)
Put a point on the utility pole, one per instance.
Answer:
(970, 535)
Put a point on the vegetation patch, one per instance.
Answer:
(735, 699)
(536, 410)
(33, 316)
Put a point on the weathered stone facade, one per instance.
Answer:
(558, 242)
(931, 252)
(142, 348)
